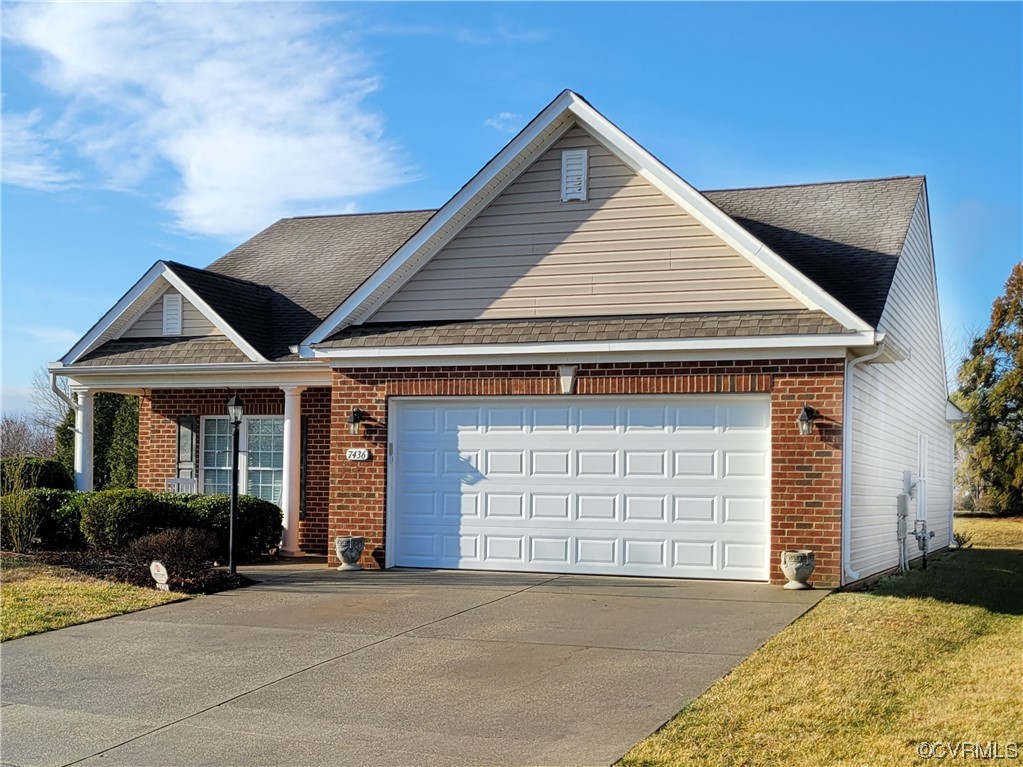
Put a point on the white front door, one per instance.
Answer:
(675, 486)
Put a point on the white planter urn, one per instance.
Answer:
(349, 549)
(797, 565)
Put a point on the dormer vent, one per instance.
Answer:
(172, 314)
(573, 174)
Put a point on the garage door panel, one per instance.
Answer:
(673, 486)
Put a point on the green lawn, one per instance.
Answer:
(862, 678)
(35, 597)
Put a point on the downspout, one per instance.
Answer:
(69, 401)
(850, 574)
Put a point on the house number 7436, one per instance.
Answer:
(357, 454)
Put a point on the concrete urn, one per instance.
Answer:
(349, 549)
(798, 565)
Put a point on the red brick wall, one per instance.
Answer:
(159, 410)
(806, 471)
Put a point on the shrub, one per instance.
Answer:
(21, 521)
(188, 556)
(26, 472)
(187, 553)
(257, 526)
(112, 519)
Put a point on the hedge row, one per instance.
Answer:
(28, 472)
(110, 520)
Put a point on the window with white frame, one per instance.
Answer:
(216, 455)
(261, 463)
(265, 454)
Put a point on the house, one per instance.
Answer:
(579, 364)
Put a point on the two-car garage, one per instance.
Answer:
(672, 486)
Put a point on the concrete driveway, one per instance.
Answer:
(315, 667)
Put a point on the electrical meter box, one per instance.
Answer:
(903, 511)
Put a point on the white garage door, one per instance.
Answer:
(664, 486)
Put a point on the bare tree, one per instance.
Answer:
(48, 408)
(958, 343)
(21, 435)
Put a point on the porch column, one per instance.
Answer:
(83, 439)
(291, 497)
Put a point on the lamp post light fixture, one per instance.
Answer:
(357, 417)
(805, 420)
(235, 411)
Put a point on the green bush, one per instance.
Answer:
(112, 519)
(27, 472)
(257, 526)
(49, 519)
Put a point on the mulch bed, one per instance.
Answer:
(112, 567)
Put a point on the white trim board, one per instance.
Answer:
(567, 109)
(128, 303)
(728, 347)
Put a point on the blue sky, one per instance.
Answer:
(141, 132)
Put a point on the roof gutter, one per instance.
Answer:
(69, 401)
(884, 347)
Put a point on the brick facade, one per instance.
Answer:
(806, 490)
(159, 410)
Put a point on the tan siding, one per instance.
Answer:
(626, 250)
(892, 405)
(150, 324)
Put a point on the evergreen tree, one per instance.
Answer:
(991, 394)
(114, 444)
(122, 457)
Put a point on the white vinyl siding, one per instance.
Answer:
(573, 174)
(670, 486)
(151, 324)
(898, 416)
(626, 249)
(261, 463)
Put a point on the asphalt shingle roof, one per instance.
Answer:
(276, 287)
(780, 323)
(845, 236)
(164, 351)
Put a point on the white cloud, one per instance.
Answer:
(506, 122)
(257, 114)
(29, 159)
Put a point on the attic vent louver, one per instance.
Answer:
(172, 314)
(573, 174)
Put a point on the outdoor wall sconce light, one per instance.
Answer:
(805, 420)
(357, 417)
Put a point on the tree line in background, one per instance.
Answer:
(49, 432)
(989, 445)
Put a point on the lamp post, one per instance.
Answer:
(235, 411)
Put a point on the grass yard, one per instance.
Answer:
(35, 597)
(860, 680)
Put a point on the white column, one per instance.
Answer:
(291, 485)
(83, 440)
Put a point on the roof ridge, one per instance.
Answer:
(205, 271)
(361, 215)
(813, 183)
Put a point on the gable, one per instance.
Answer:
(626, 249)
(150, 324)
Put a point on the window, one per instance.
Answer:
(261, 460)
(573, 174)
(265, 453)
(216, 455)
(172, 314)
